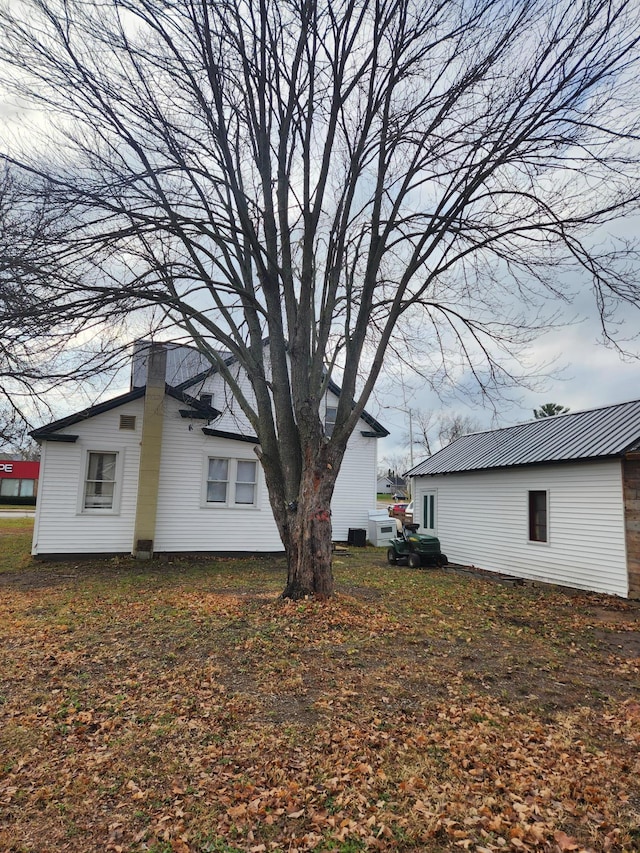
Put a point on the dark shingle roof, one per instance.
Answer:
(594, 434)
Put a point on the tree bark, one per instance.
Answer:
(307, 534)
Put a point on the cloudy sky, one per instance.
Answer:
(586, 374)
(593, 376)
(583, 374)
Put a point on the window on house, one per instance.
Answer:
(207, 399)
(232, 482)
(101, 481)
(538, 516)
(245, 483)
(218, 481)
(330, 420)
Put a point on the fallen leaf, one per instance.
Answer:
(564, 841)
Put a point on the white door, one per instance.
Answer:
(429, 510)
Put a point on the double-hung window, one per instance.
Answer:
(330, 415)
(218, 481)
(100, 483)
(231, 482)
(245, 492)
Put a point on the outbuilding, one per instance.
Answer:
(555, 500)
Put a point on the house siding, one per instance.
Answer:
(184, 522)
(482, 520)
(232, 418)
(355, 491)
(60, 528)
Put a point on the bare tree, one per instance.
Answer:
(423, 423)
(313, 173)
(453, 426)
(38, 354)
(432, 429)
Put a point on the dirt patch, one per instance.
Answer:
(622, 644)
(35, 580)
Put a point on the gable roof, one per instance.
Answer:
(392, 479)
(600, 433)
(49, 431)
(377, 430)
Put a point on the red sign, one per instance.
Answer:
(19, 470)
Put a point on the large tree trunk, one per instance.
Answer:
(307, 537)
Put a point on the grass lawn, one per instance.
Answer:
(181, 707)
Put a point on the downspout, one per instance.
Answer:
(150, 454)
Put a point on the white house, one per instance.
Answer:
(554, 500)
(172, 468)
(391, 484)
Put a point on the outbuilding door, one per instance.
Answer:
(429, 512)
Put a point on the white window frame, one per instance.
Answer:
(114, 509)
(329, 425)
(232, 483)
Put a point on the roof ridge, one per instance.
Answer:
(548, 418)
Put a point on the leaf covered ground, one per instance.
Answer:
(182, 707)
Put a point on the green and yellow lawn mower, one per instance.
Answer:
(416, 549)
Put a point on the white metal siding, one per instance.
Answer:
(483, 521)
(59, 527)
(232, 418)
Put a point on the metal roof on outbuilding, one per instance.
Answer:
(594, 434)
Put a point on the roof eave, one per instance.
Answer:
(536, 464)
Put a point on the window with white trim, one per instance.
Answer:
(232, 482)
(330, 414)
(100, 482)
(218, 481)
(245, 482)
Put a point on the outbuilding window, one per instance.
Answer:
(538, 516)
